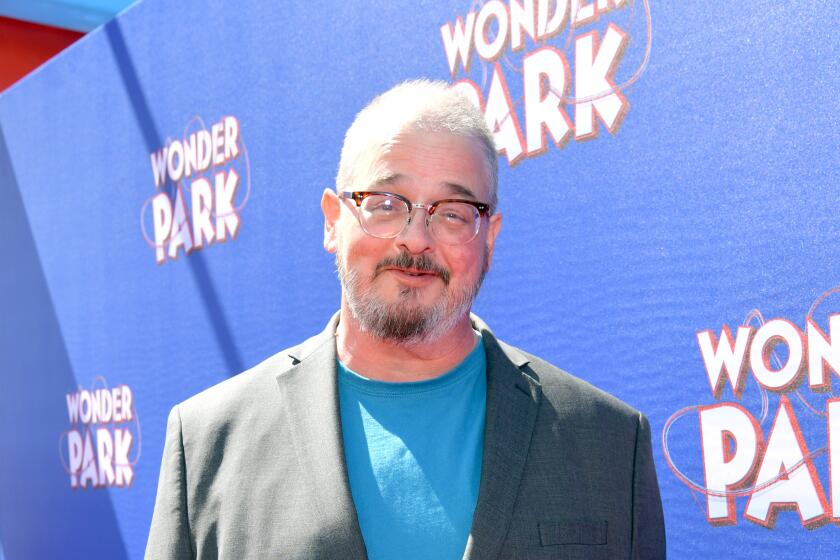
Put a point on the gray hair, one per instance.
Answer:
(422, 105)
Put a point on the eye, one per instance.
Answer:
(454, 217)
(383, 207)
(456, 214)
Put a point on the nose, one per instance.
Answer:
(416, 237)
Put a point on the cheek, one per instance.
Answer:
(362, 251)
(467, 263)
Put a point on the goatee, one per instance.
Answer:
(406, 321)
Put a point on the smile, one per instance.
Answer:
(412, 276)
(406, 268)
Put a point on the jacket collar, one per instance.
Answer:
(310, 400)
(309, 396)
(513, 398)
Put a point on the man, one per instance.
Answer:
(406, 429)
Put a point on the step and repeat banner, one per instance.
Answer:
(669, 184)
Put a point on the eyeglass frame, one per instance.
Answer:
(483, 208)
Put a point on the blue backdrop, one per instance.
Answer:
(712, 202)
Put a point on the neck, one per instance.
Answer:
(387, 360)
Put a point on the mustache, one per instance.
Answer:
(421, 262)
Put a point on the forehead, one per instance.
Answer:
(434, 164)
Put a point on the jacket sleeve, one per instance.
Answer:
(648, 523)
(169, 537)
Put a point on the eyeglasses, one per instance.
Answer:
(386, 215)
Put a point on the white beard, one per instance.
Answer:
(405, 322)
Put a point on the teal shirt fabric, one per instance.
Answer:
(413, 453)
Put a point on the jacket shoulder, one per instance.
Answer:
(573, 397)
(235, 396)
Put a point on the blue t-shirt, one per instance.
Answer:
(413, 453)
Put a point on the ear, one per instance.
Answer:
(331, 207)
(494, 226)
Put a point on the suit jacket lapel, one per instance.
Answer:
(512, 402)
(310, 398)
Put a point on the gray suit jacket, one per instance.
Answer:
(254, 467)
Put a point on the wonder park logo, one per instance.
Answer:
(199, 197)
(771, 458)
(545, 49)
(102, 445)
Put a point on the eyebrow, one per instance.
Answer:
(388, 179)
(454, 188)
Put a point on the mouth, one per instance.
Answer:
(411, 277)
(412, 271)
